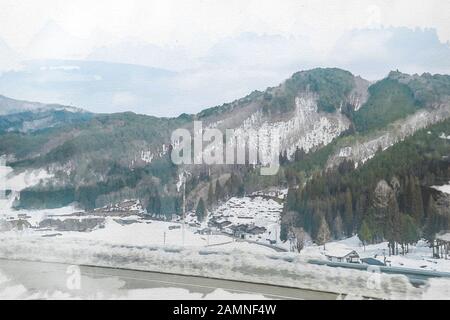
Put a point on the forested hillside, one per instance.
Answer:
(98, 159)
(389, 197)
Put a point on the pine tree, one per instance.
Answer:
(393, 224)
(154, 204)
(290, 203)
(348, 212)
(365, 235)
(211, 199)
(200, 212)
(338, 227)
(299, 154)
(227, 189)
(284, 231)
(218, 191)
(157, 204)
(417, 201)
(431, 226)
(409, 232)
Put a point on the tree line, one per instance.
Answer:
(387, 199)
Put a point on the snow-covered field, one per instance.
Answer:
(158, 233)
(286, 269)
(138, 230)
(255, 210)
(135, 242)
(418, 257)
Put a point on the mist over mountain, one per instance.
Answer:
(9, 59)
(99, 86)
(173, 79)
(53, 42)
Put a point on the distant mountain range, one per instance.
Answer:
(25, 116)
(105, 87)
(12, 106)
(92, 85)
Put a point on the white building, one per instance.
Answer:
(342, 255)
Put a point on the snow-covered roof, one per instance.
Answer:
(339, 252)
(444, 188)
(444, 236)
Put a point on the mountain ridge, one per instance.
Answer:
(314, 110)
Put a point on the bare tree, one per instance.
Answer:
(300, 238)
(323, 235)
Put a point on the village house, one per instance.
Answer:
(204, 231)
(219, 223)
(255, 230)
(342, 255)
(442, 247)
(244, 230)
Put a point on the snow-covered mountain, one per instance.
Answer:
(10, 106)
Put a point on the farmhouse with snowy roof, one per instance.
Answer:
(442, 245)
(342, 255)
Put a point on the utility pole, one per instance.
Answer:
(276, 234)
(184, 208)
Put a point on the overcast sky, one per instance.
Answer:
(200, 23)
(253, 43)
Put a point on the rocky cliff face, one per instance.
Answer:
(365, 148)
(304, 128)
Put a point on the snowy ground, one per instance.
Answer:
(257, 210)
(419, 256)
(281, 269)
(158, 233)
(143, 231)
(444, 188)
(160, 246)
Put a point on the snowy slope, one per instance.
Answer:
(418, 257)
(365, 148)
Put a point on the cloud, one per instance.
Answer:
(372, 53)
(134, 51)
(199, 23)
(124, 99)
(9, 59)
(53, 42)
(230, 69)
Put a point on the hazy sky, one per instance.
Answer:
(198, 24)
(229, 46)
